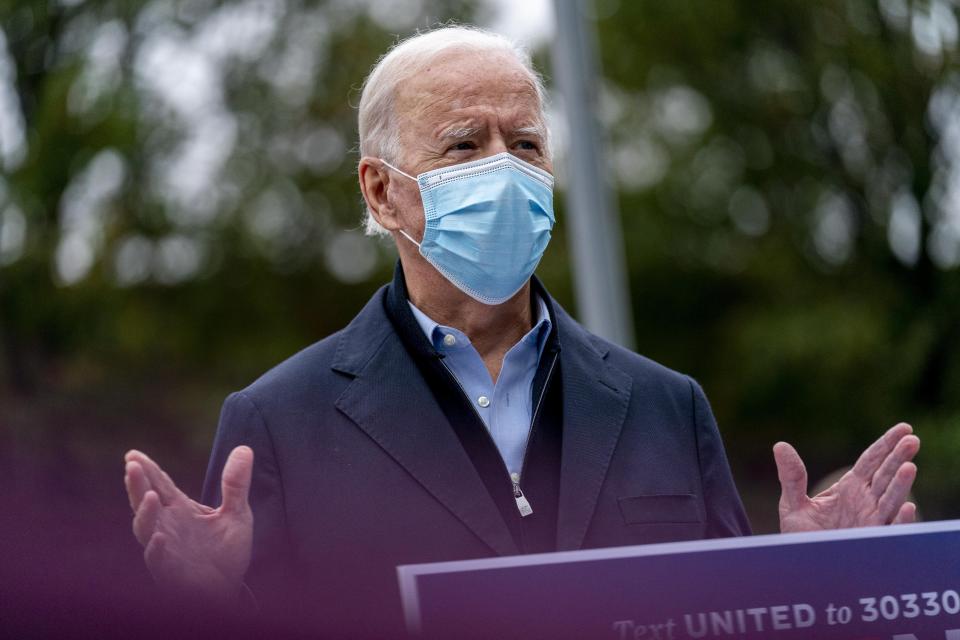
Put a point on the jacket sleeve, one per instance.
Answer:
(725, 513)
(270, 578)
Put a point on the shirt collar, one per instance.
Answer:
(412, 335)
(435, 332)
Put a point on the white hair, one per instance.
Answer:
(376, 119)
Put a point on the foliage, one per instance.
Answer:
(182, 209)
(789, 180)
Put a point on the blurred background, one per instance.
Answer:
(179, 212)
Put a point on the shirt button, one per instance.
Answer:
(449, 340)
(515, 477)
(483, 401)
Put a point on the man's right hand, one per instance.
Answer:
(189, 547)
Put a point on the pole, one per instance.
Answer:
(596, 238)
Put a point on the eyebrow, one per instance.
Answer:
(459, 133)
(533, 130)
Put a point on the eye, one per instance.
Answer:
(528, 145)
(466, 145)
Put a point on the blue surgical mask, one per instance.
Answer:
(488, 223)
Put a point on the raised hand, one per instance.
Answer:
(191, 548)
(874, 492)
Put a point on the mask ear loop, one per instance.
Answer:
(403, 173)
(405, 235)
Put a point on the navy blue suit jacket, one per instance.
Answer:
(357, 470)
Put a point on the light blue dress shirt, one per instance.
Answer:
(506, 407)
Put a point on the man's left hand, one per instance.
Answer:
(874, 492)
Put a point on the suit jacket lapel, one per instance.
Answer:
(391, 402)
(595, 400)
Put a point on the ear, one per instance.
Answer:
(374, 182)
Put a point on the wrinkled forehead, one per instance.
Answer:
(459, 82)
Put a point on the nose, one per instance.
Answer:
(497, 144)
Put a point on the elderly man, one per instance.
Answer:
(462, 413)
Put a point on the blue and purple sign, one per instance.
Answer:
(878, 583)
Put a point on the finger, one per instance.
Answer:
(136, 483)
(145, 522)
(871, 459)
(157, 477)
(235, 482)
(897, 492)
(792, 474)
(905, 450)
(154, 552)
(907, 514)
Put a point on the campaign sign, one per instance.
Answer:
(879, 583)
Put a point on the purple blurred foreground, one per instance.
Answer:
(70, 566)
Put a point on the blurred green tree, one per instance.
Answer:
(185, 186)
(179, 210)
(789, 179)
